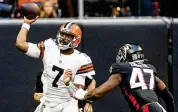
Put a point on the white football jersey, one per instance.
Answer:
(55, 63)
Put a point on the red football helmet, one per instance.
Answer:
(71, 29)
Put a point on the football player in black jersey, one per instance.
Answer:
(89, 85)
(137, 81)
(38, 93)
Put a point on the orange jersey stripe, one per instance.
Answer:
(40, 45)
(42, 53)
(85, 70)
(85, 66)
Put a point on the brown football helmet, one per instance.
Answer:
(70, 29)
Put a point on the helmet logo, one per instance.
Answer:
(122, 54)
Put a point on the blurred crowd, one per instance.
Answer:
(92, 8)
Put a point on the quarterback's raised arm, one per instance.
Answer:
(21, 41)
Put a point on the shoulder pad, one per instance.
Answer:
(121, 68)
(86, 66)
(153, 68)
(84, 59)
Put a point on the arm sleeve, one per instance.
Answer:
(87, 68)
(79, 79)
(168, 99)
(33, 50)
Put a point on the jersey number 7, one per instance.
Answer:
(138, 77)
(60, 72)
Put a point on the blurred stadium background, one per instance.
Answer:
(106, 24)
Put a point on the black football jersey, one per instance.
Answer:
(39, 84)
(138, 83)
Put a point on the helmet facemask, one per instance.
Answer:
(63, 42)
(137, 57)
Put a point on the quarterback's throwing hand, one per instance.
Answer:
(30, 21)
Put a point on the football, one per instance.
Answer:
(30, 10)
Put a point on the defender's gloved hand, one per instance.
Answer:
(80, 94)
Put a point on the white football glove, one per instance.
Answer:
(80, 94)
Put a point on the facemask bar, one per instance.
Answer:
(64, 47)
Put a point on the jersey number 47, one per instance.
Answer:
(143, 78)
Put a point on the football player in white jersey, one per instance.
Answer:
(90, 84)
(58, 56)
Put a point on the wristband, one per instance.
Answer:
(25, 25)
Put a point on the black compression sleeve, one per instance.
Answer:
(168, 99)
